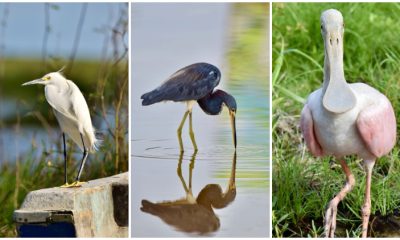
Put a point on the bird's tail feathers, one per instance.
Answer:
(95, 142)
(152, 97)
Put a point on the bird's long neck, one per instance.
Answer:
(211, 196)
(61, 85)
(212, 103)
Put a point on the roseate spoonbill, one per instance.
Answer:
(190, 214)
(72, 113)
(193, 83)
(341, 119)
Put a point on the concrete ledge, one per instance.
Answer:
(97, 209)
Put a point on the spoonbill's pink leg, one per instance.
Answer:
(330, 215)
(366, 209)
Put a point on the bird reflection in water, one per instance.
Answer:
(190, 214)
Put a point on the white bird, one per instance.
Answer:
(72, 113)
(342, 119)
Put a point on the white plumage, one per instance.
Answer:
(71, 110)
(72, 113)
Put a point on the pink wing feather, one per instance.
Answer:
(307, 128)
(377, 127)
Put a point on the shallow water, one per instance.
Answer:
(159, 173)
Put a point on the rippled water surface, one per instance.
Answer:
(171, 193)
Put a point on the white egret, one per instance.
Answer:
(72, 113)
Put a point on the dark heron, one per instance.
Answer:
(193, 83)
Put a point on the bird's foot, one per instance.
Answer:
(330, 219)
(77, 184)
(66, 185)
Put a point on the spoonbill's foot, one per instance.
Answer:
(77, 184)
(66, 185)
(330, 219)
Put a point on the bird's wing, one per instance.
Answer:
(189, 83)
(79, 105)
(60, 102)
(377, 127)
(70, 104)
(307, 128)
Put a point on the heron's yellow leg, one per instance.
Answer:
(179, 131)
(191, 166)
(179, 172)
(191, 133)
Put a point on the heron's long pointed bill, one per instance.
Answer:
(36, 81)
(233, 124)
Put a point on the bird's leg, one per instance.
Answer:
(189, 194)
(179, 172)
(191, 167)
(179, 131)
(77, 183)
(191, 133)
(65, 160)
(65, 164)
(331, 211)
(366, 208)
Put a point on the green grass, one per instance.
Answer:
(302, 184)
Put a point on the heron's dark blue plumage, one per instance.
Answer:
(189, 83)
(195, 82)
(212, 103)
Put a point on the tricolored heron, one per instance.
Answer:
(342, 119)
(193, 83)
(72, 113)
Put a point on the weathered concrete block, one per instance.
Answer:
(97, 209)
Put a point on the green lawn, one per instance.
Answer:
(302, 184)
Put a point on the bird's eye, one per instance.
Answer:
(322, 27)
(47, 78)
(343, 24)
(214, 74)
